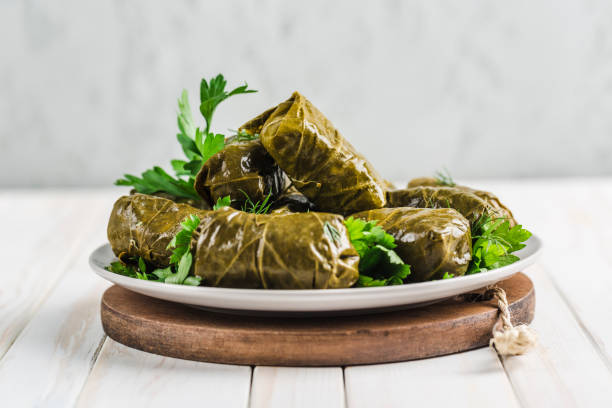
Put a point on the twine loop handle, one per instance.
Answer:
(509, 340)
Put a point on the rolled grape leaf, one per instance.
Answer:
(434, 242)
(290, 251)
(143, 225)
(467, 203)
(240, 169)
(490, 198)
(201, 204)
(323, 165)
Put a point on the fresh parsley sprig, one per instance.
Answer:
(135, 269)
(222, 202)
(157, 180)
(198, 145)
(379, 264)
(182, 240)
(213, 93)
(493, 242)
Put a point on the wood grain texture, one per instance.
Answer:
(180, 331)
(569, 216)
(131, 378)
(565, 369)
(281, 387)
(47, 232)
(469, 379)
(58, 347)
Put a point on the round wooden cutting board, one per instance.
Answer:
(175, 330)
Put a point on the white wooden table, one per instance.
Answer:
(53, 352)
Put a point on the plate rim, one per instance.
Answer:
(534, 241)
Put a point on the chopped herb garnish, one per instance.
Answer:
(379, 265)
(493, 242)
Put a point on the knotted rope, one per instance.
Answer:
(508, 340)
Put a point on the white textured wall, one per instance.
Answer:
(486, 88)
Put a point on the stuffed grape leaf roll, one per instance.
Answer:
(434, 242)
(241, 169)
(285, 251)
(323, 165)
(143, 225)
(490, 198)
(201, 204)
(467, 203)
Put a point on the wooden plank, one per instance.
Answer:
(47, 246)
(565, 369)
(569, 216)
(572, 365)
(286, 387)
(59, 345)
(470, 379)
(130, 377)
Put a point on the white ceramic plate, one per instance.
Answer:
(328, 301)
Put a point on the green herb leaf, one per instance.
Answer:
(379, 264)
(182, 240)
(136, 270)
(212, 93)
(208, 145)
(182, 271)
(121, 269)
(141, 275)
(162, 274)
(184, 119)
(141, 265)
(188, 145)
(448, 275)
(192, 281)
(493, 242)
(179, 167)
(157, 180)
(222, 202)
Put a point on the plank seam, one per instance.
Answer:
(590, 337)
(94, 360)
(96, 354)
(345, 399)
(249, 399)
(516, 393)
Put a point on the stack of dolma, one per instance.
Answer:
(312, 177)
